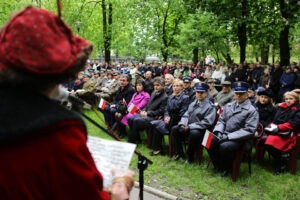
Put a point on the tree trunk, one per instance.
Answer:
(105, 34)
(264, 54)
(273, 54)
(217, 54)
(164, 49)
(242, 32)
(195, 55)
(284, 35)
(109, 35)
(38, 3)
(284, 46)
(227, 57)
(256, 57)
(165, 52)
(242, 36)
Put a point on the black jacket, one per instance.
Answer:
(266, 113)
(289, 115)
(240, 74)
(176, 107)
(156, 71)
(126, 93)
(257, 73)
(156, 105)
(149, 87)
(275, 78)
(26, 118)
(190, 93)
(169, 90)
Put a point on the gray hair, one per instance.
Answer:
(125, 76)
(170, 75)
(159, 80)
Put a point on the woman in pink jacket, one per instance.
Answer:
(139, 99)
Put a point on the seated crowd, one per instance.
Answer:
(184, 101)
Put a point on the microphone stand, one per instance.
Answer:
(143, 161)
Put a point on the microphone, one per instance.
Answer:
(64, 95)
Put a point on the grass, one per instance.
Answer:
(196, 182)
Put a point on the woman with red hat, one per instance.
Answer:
(43, 152)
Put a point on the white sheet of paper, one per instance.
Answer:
(110, 155)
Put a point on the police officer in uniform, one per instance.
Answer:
(226, 95)
(200, 116)
(187, 90)
(236, 125)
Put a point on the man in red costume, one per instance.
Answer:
(43, 152)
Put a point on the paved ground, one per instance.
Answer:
(134, 195)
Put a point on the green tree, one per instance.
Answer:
(263, 32)
(234, 14)
(290, 12)
(163, 17)
(203, 31)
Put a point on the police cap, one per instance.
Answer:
(240, 87)
(201, 87)
(187, 79)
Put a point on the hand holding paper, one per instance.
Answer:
(110, 155)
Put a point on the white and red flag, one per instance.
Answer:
(124, 102)
(132, 108)
(102, 104)
(207, 139)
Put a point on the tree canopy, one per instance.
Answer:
(180, 29)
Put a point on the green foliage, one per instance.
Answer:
(169, 28)
(203, 30)
(158, 19)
